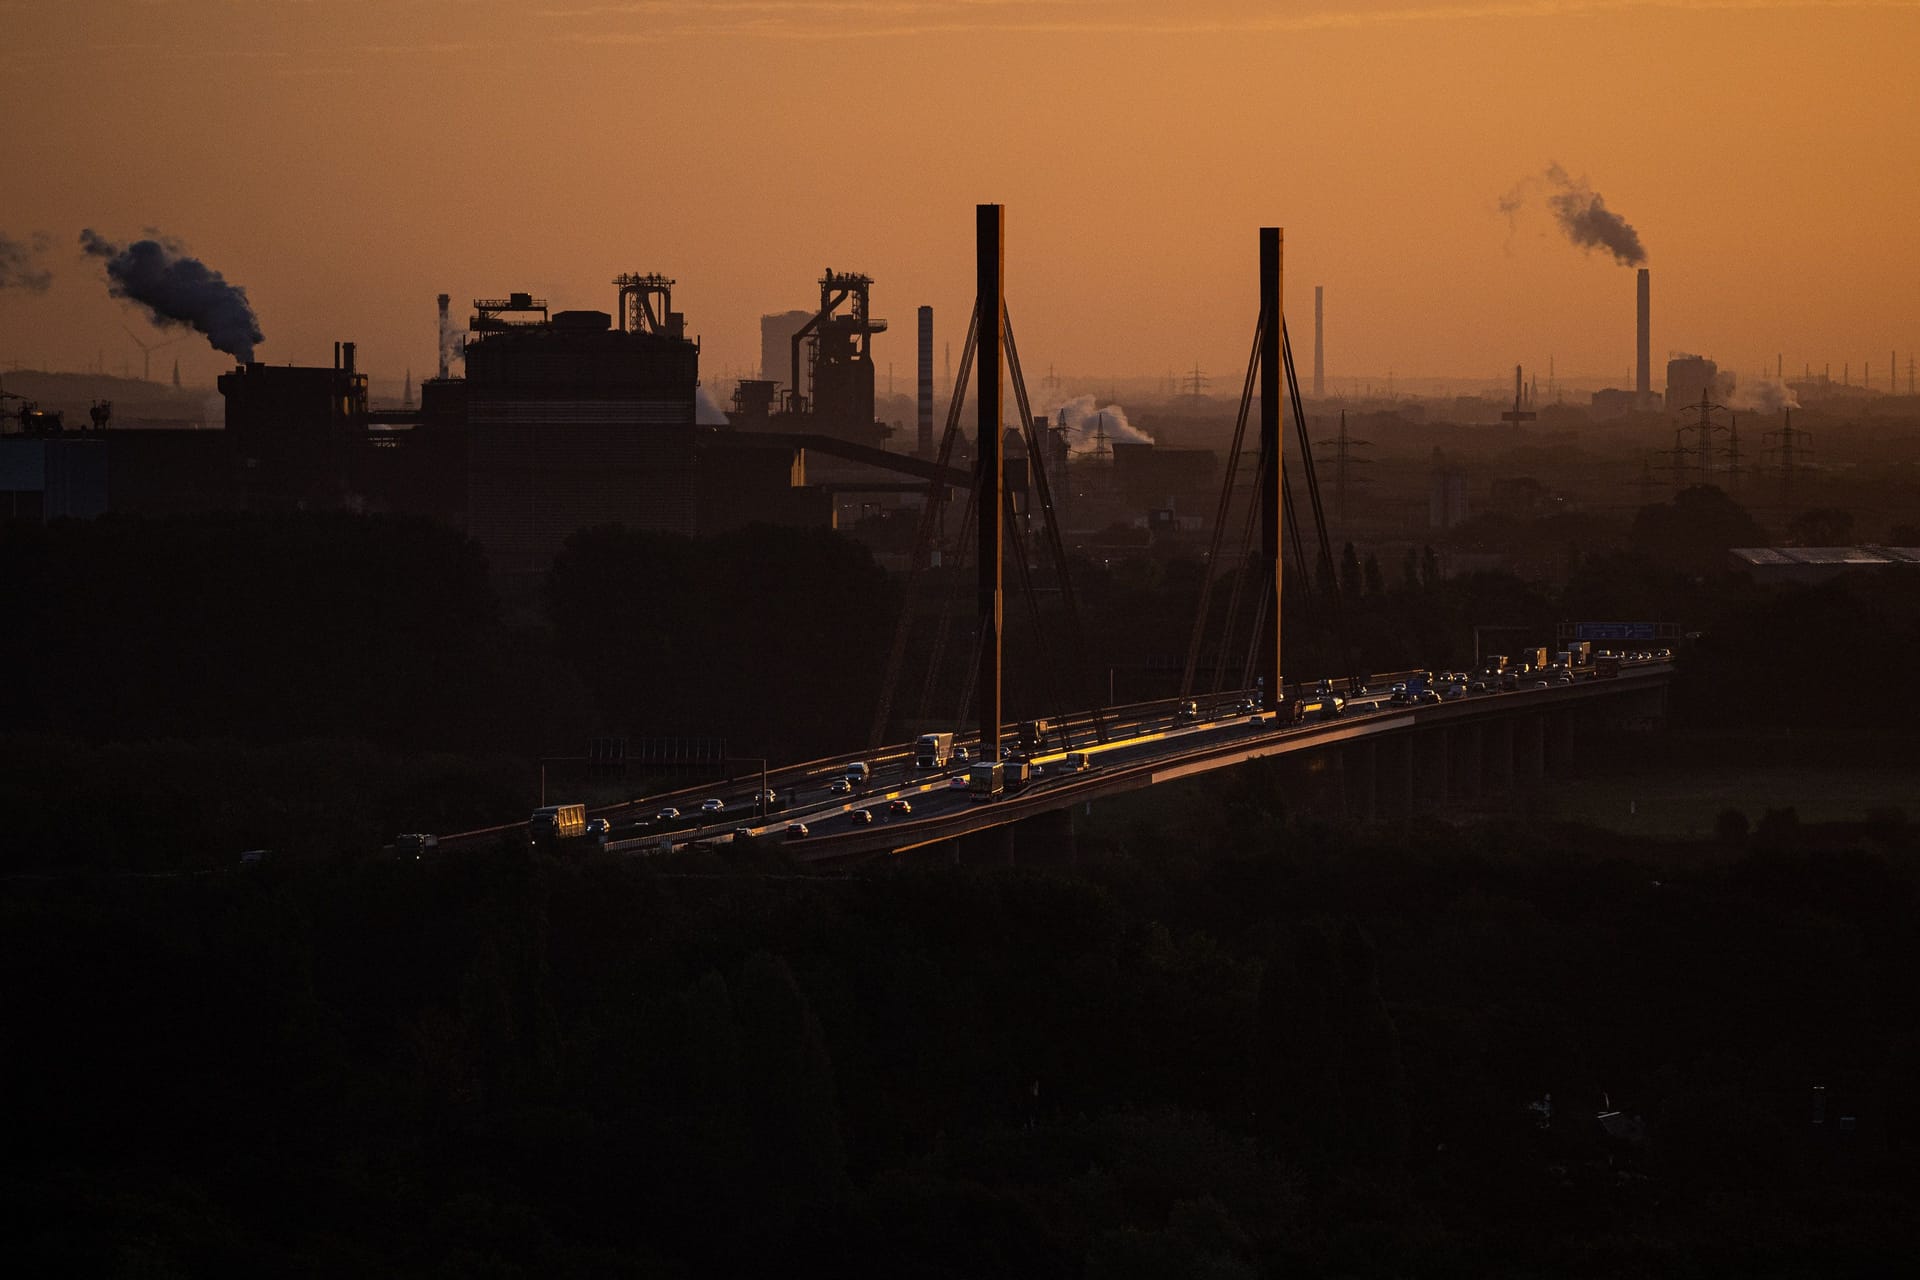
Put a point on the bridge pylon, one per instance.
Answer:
(990, 226)
(1272, 374)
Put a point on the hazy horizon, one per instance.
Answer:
(344, 161)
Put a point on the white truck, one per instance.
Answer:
(933, 751)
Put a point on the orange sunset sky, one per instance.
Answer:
(345, 160)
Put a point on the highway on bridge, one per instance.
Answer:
(1147, 744)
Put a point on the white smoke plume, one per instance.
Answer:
(1084, 420)
(706, 410)
(1763, 395)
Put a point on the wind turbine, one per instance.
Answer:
(147, 350)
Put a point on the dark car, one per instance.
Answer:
(861, 817)
(900, 808)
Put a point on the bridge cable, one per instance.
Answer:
(1319, 511)
(1043, 488)
(932, 516)
(1210, 569)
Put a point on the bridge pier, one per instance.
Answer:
(1470, 757)
(1502, 762)
(1436, 781)
(1532, 750)
(1400, 781)
(1043, 840)
(1360, 776)
(1561, 739)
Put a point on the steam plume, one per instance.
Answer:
(1083, 421)
(17, 269)
(1765, 395)
(178, 290)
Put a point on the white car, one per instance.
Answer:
(840, 787)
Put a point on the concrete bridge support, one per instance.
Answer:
(1360, 774)
(1469, 759)
(1043, 840)
(1501, 763)
(1433, 787)
(1400, 790)
(1531, 750)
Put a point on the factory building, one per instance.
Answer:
(572, 422)
(1690, 377)
(51, 477)
(776, 342)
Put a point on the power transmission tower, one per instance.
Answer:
(1732, 452)
(1789, 447)
(1343, 463)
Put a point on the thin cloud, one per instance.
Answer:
(801, 19)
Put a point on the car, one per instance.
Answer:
(1563, 677)
(599, 829)
(713, 806)
(742, 833)
(766, 798)
(900, 808)
(958, 782)
(1398, 686)
(1540, 684)
(1324, 688)
(1245, 707)
(861, 817)
(796, 831)
(1663, 653)
(960, 754)
(1477, 686)
(1426, 698)
(840, 787)
(668, 814)
(1454, 692)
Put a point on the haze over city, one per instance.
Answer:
(344, 161)
(564, 712)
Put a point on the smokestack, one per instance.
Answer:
(925, 449)
(1319, 344)
(1643, 344)
(443, 335)
(346, 357)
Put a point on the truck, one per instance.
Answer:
(859, 773)
(1537, 658)
(987, 779)
(1606, 666)
(1033, 736)
(933, 751)
(553, 823)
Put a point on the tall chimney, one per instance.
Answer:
(925, 445)
(1319, 345)
(1643, 377)
(443, 335)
